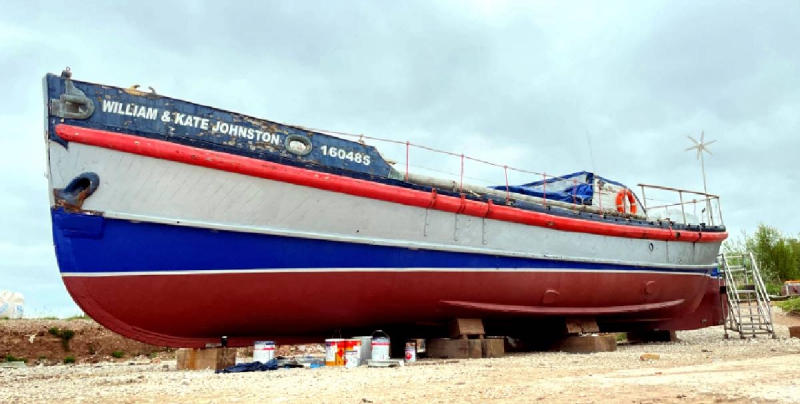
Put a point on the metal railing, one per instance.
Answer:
(710, 214)
(462, 173)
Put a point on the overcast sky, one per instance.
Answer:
(518, 83)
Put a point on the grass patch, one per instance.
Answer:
(117, 354)
(64, 335)
(774, 289)
(621, 336)
(78, 317)
(790, 305)
(12, 358)
(69, 359)
(49, 318)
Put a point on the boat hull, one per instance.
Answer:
(186, 286)
(177, 224)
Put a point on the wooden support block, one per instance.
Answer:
(794, 331)
(493, 348)
(455, 348)
(209, 358)
(462, 327)
(586, 344)
(581, 325)
(652, 336)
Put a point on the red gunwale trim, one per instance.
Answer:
(367, 189)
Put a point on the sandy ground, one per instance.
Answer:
(702, 367)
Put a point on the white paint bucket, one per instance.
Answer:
(352, 353)
(263, 351)
(411, 351)
(380, 346)
(366, 348)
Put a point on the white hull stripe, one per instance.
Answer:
(355, 270)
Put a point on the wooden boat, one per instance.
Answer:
(176, 224)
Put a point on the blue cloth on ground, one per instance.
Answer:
(272, 364)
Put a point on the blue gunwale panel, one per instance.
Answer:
(164, 118)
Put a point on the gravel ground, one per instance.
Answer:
(702, 367)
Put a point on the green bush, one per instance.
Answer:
(117, 354)
(64, 335)
(790, 305)
(12, 358)
(69, 359)
(778, 255)
(774, 289)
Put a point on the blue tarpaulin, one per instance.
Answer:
(272, 364)
(572, 188)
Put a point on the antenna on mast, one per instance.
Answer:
(591, 154)
(701, 147)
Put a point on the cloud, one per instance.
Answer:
(520, 83)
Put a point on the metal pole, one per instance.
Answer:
(599, 195)
(719, 208)
(644, 198)
(705, 189)
(683, 211)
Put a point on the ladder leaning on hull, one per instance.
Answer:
(749, 312)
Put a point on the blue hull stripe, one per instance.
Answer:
(94, 244)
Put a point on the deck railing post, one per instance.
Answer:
(544, 189)
(574, 192)
(508, 193)
(461, 187)
(408, 146)
(599, 195)
(644, 198)
(683, 210)
(710, 212)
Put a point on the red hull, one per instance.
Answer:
(295, 306)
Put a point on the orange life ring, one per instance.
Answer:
(621, 201)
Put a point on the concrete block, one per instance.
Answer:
(209, 358)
